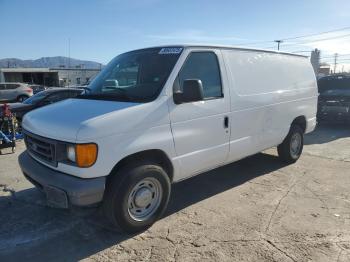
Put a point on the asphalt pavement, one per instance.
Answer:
(256, 209)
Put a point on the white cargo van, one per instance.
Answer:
(159, 115)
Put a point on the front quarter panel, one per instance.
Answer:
(118, 136)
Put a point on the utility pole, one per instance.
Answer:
(335, 62)
(68, 60)
(278, 43)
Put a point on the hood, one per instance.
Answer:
(85, 120)
(17, 106)
(336, 95)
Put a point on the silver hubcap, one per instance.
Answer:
(295, 145)
(144, 199)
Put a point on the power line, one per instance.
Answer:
(339, 60)
(297, 37)
(329, 56)
(301, 51)
(321, 33)
(313, 41)
(317, 40)
(327, 38)
(269, 47)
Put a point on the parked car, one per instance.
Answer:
(334, 99)
(10, 92)
(171, 113)
(37, 88)
(43, 98)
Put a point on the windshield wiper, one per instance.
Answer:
(87, 89)
(110, 97)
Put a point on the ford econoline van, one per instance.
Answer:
(159, 115)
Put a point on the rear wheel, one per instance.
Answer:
(136, 197)
(292, 146)
(21, 98)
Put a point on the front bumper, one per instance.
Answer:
(334, 113)
(62, 189)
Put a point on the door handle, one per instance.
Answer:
(226, 122)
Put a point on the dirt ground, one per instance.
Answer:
(256, 209)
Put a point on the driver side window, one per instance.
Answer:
(203, 66)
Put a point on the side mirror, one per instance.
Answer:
(110, 84)
(192, 91)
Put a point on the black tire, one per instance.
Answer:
(21, 98)
(118, 189)
(285, 152)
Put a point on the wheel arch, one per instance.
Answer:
(22, 95)
(153, 155)
(300, 121)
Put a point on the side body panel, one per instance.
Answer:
(268, 91)
(9, 94)
(2, 89)
(200, 137)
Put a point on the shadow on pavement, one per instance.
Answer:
(327, 132)
(32, 231)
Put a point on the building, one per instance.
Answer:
(40, 76)
(48, 76)
(75, 76)
(324, 69)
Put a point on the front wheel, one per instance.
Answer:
(292, 146)
(136, 197)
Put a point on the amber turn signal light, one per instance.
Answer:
(86, 154)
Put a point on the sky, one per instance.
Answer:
(101, 29)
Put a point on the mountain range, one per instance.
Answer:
(49, 62)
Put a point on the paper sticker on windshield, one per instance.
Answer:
(170, 50)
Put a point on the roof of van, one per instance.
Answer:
(227, 47)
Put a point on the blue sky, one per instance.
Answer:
(101, 29)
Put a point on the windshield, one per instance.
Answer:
(35, 98)
(136, 76)
(327, 84)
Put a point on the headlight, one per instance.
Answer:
(84, 155)
(71, 152)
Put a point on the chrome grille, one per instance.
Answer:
(42, 148)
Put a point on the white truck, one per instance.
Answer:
(159, 115)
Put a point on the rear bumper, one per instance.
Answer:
(311, 125)
(62, 189)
